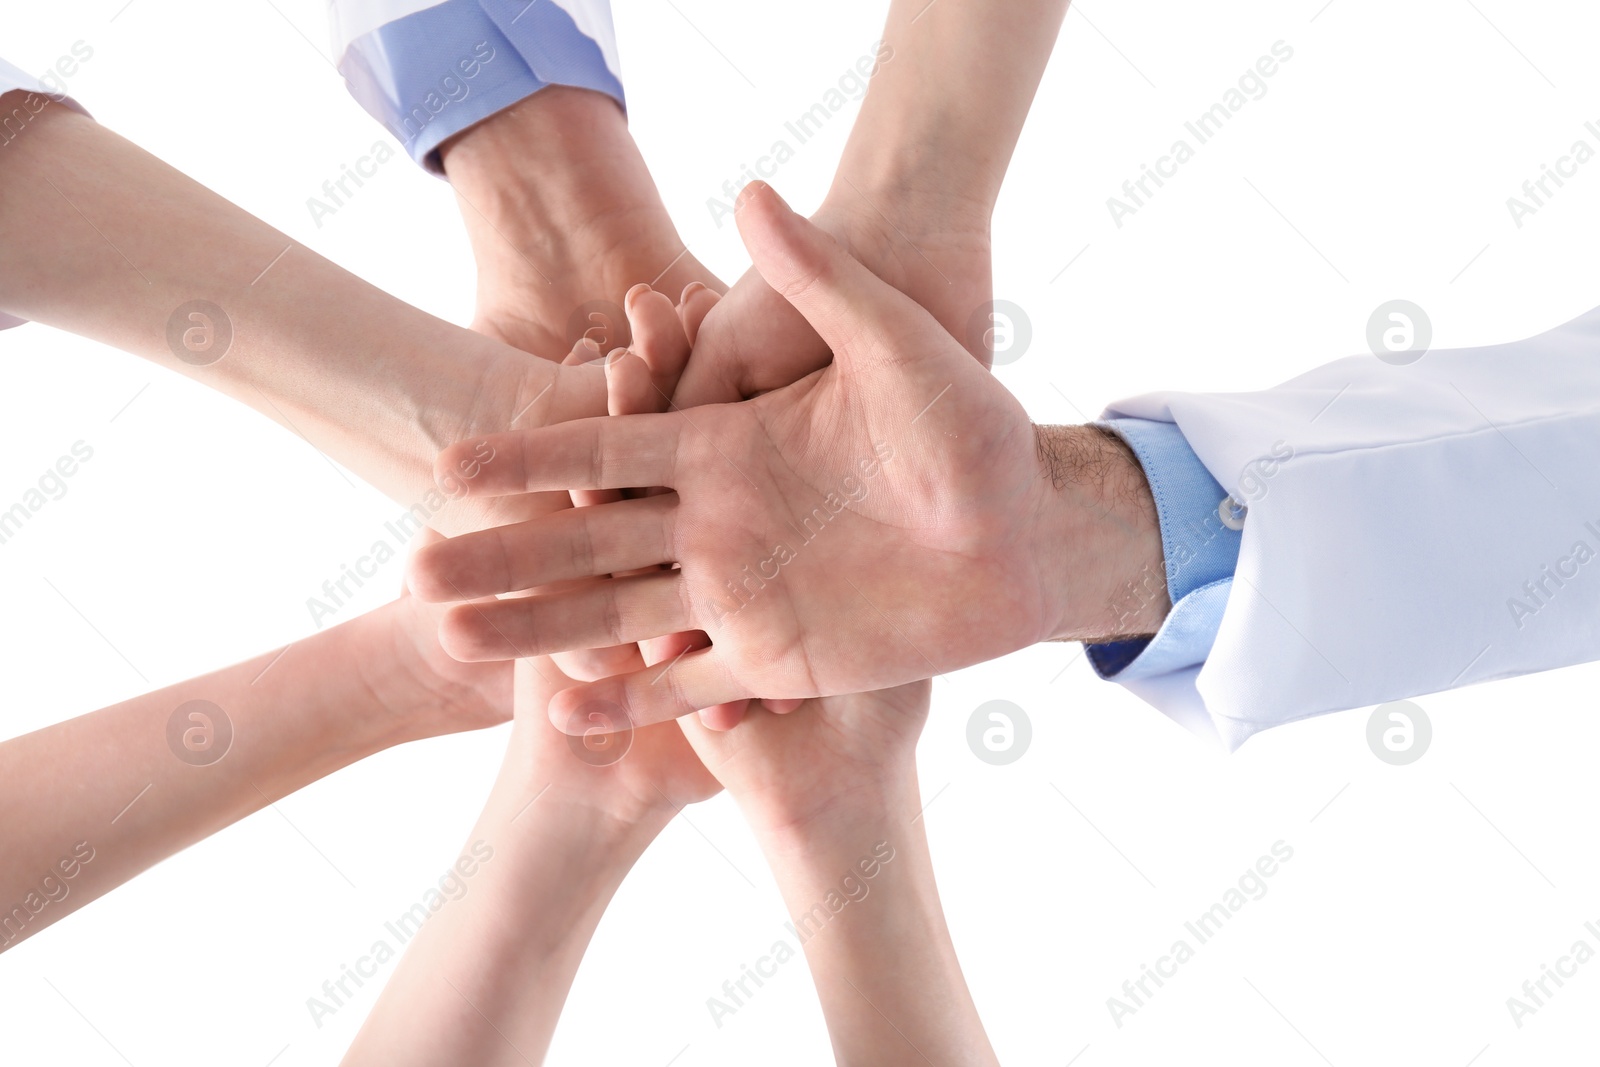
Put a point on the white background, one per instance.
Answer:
(1377, 167)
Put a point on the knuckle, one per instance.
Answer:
(581, 556)
(611, 622)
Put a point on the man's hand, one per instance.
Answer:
(890, 517)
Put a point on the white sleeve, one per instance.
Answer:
(14, 120)
(1409, 528)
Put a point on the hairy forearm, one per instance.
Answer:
(485, 980)
(946, 106)
(136, 782)
(1099, 537)
(102, 239)
(859, 885)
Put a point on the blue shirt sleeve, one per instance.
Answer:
(1200, 533)
(431, 74)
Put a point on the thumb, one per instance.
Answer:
(855, 312)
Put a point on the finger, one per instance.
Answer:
(588, 498)
(693, 307)
(723, 717)
(600, 453)
(631, 388)
(783, 707)
(616, 611)
(665, 649)
(855, 312)
(658, 337)
(591, 664)
(730, 339)
(688, 682)
(584, 350)
(425, 537)
(563, 546)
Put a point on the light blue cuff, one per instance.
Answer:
(434, 73)
(1200, 551)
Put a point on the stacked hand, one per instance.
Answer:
(889, 517)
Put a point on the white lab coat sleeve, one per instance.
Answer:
(1410, 528)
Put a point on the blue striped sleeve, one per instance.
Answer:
(432, 73)
(1200, 546)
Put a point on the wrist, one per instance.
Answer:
(596, 843)
(551, 189)
(551, 149)
(921, 202)
(799, 827)
(1099, 536)
(903, 161)
(402, 701)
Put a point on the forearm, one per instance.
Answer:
(858, 882)
(947, 103)
(105, 240)
(485, 980)
(136, 782)
(1097, 537)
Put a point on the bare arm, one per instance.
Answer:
(485, 979)
(91, 802)
(946, 106)
(103, 239)
(914, 191)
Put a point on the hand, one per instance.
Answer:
(628, 775)
(419, 683)
(937, 254)
(564, 218)
(820, 762)
(890, 517)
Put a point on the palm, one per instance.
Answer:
(622, 773)
(793, 766)
(804, 594)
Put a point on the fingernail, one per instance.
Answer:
(635, 293)
(690, 290)
(749, 192)
(591, 345)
